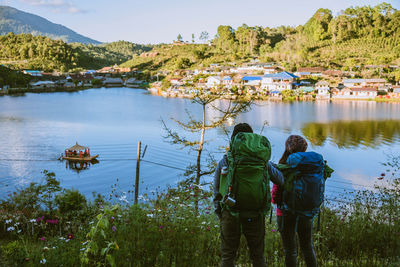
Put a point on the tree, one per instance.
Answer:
(179, 38)
(204, 36)
(208, 102)
(192, 37)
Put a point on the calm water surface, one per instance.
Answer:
(354, 137)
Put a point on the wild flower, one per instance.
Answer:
(273, 230)
(52, 221)
(124, 199)
(70, 236)
(11, 228)
(19, 231)
(40, 219)
(42, 238)
(8, 221)
(32, 220)
(150, 215)
(16, 224)
(43, 261)
(114, 228)
(45, 249)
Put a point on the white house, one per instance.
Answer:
(344, 93)
(214, 81)
(322, 87)
(42, 84)
(364, 92)
(278, 81)
(364, 82)
(227, 80)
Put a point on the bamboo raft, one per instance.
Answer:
(77, 158)
(78, 153)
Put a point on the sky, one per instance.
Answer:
(160, 21)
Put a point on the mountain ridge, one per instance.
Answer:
(17, 21)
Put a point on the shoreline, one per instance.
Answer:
(21, 91)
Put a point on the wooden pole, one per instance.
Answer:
(137, 171)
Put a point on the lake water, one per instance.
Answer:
(355, 137)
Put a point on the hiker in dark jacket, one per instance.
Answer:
(232, 227)
(288, 223)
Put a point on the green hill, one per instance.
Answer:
(25, 51)
(356, 37)
(17, 21)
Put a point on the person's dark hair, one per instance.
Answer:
(241, 128)
(294, 143)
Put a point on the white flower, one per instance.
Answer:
(11, 228)
(43, 261)
(32, 220)
(8, 221)
(123, 198)
(204, 223)
(82, 249)
(150, 215)
(19, 231)
(84, 243)
(62, 238)
(16, 224)
(177, 198)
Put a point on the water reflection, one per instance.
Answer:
(351, 134)
(79, 166)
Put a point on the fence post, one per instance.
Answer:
(137, 171)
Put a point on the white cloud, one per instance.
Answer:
(57, 6)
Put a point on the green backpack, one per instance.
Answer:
(244, 186)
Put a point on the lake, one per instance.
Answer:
(355, 137)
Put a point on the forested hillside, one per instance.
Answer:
(358, 36)
(25, 51)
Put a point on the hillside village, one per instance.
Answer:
(268, 80)
(255, 79)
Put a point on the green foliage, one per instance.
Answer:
(317, 26)
(13, 253)
(13, 78)
(288, 95)
(70, 200)
(98, 248)
(183, 63)
(26, 51)
(360, 229)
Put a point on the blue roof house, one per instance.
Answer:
(278, 81)
(252, 80)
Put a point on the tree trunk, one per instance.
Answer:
(200, 150)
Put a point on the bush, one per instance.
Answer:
(70, 200)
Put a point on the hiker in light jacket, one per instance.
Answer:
(232, 227)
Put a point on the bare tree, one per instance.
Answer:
(207, 101)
